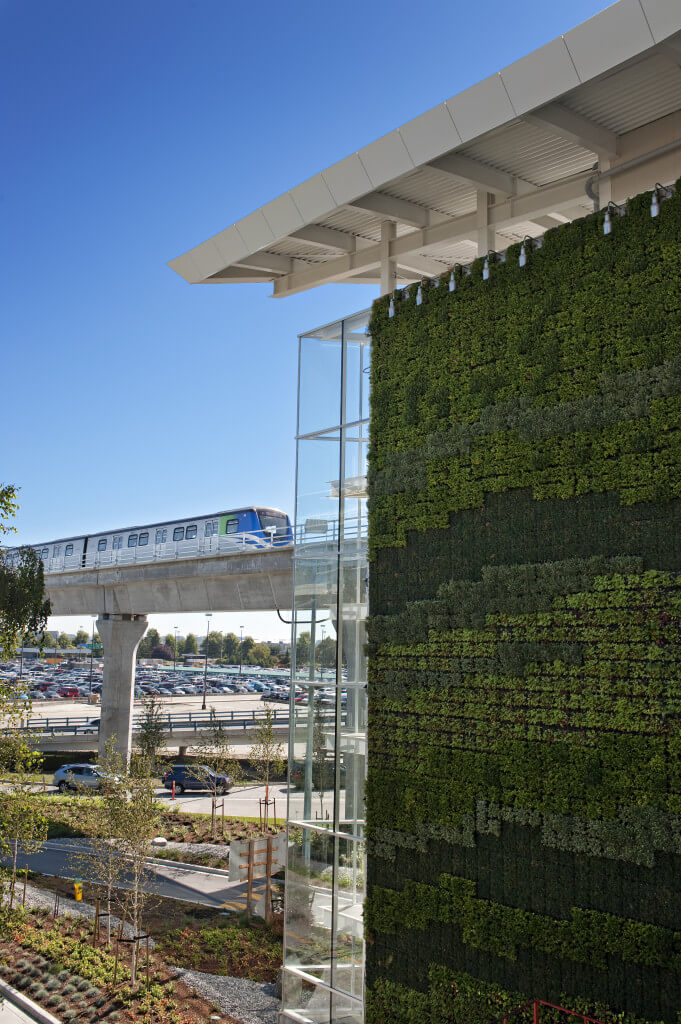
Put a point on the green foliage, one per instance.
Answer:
(524, 790)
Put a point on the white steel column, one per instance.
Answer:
(486, 236)
(120, 635)
(388, 265)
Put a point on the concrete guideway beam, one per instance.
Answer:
(244, 581)
(120, 636)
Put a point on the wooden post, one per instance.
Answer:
(95, 935)
(23, 902)
(249, 891)
(56, 904)
(268, 882)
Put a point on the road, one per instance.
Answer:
(192, 884)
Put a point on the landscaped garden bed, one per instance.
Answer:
(68, 816)
(58, 965)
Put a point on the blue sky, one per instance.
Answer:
(133, 131)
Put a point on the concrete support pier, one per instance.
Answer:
(120, 636)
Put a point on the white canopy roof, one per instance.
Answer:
(506, 158)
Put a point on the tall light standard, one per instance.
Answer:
(321, 654)
(205, 667)
(175, 650)
(241, 649)
(92, 652)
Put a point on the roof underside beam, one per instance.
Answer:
(326, 238)
(389, 207)
(559, 120)
(479, 175)
(538, 203)
(270, 261)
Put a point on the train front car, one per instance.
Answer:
(276, 526)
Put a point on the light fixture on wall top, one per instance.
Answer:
(607, 222)
(391, 308)
(485, 269)
(452, 281)
(419, 295)
(527, 244)
(659, 192)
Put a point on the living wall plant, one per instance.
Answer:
(524, 790)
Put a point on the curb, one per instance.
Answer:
(30, 1008)
(155, 861)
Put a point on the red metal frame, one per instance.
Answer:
(537, 1003)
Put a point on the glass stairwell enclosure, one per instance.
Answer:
(323, 944)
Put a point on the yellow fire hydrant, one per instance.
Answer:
(78, 891)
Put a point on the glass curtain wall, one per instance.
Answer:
(323, 945)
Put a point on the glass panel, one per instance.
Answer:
(132, 540)
(309, 877)
(348, 974)
(178, 533)
(305, 1002)
(191, 533)
(319, 381)
(101, 545)
(68, 550)
(143, 540)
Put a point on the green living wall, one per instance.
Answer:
(524, 791)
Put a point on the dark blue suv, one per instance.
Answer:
(196, 776)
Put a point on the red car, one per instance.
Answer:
(67, 691)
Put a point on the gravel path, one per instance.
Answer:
(249, 1001)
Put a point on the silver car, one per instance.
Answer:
(79, 777)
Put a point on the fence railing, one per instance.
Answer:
(190, 721)
(256, 540)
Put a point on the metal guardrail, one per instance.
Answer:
(190, 721)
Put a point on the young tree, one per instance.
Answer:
(137, 816)
(150, 735)
(217, 761)
(215, 642)
(22, 584)
(81, 638)
(64, 641)
(163, 652)
(23, 826)
(267, 755)
(101, 861)
(303, 649)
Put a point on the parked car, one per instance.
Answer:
(79, 776)
(186, 776)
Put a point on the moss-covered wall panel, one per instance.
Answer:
(524, 791)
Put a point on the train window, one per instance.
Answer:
(143, 539)
(101, 544)
(161, 536)
(56, 551)
(267, 521)
(45, 553)
(178, 533)
(232, 526)
(132, 540)
(211, 528)
(191, 533)
(117, 543)
(68, 550)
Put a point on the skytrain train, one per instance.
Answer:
(177, 538)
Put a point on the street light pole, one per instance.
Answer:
(241, 649)
(175, 650)
(321, 655)
(92, 653)
(205, 667)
